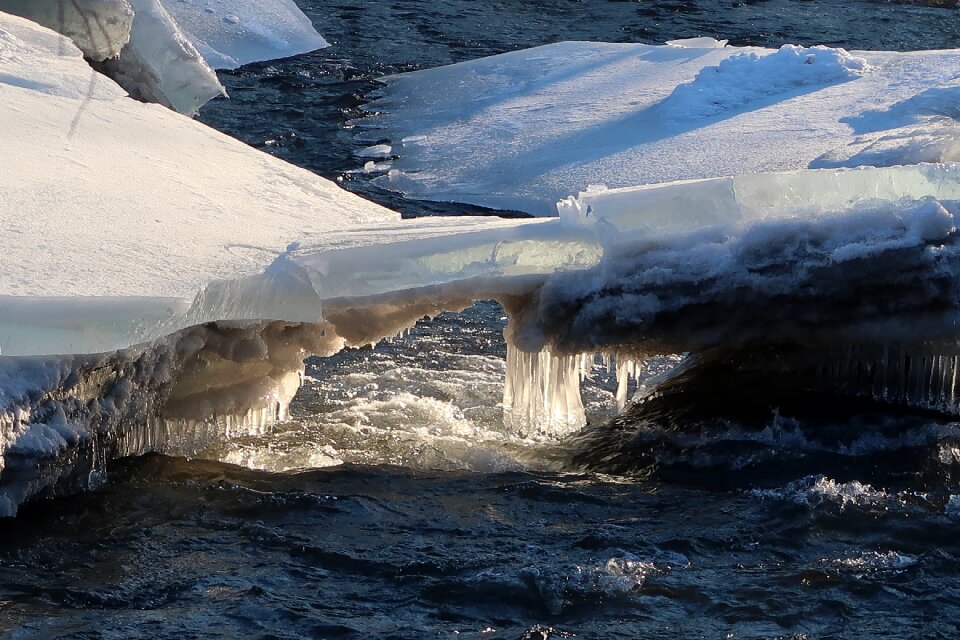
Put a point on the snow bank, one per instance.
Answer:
(130, 204)
(165, 51)
(100, 28)
(525, 129)
(231, 33)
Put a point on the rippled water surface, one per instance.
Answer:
(396, 505)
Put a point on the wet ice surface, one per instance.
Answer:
(441, 522)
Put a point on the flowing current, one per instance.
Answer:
(397, 503)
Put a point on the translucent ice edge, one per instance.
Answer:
(882, 271)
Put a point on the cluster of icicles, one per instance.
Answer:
(541, 393)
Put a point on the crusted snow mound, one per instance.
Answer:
(748, 78)
(525, 129)
(231, 33)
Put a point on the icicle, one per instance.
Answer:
(541, 394)
(623, 383)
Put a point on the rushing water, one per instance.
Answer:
(396, 505)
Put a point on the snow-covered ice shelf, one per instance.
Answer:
(525, 129)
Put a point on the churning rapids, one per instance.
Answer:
(792, 471)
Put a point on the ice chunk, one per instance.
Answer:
(161, 65)
(100, 28)
(231, 33)
(698, 43)
(525, 129)
(153, 48)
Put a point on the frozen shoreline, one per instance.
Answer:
(200, 272)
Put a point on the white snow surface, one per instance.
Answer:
(125, 221)
(525, 129)
(106, 197)
(101, 28)
(231, 33)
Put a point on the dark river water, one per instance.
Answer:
(395, 505)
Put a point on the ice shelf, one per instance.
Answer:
(525, 129)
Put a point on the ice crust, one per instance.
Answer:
(525, 129)
(649, 210)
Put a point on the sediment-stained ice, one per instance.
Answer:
(525, 129)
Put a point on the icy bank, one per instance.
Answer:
(130, 204)
(525, 129)
(100, 28)
(165, 51)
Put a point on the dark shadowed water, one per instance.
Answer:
(396, 505)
